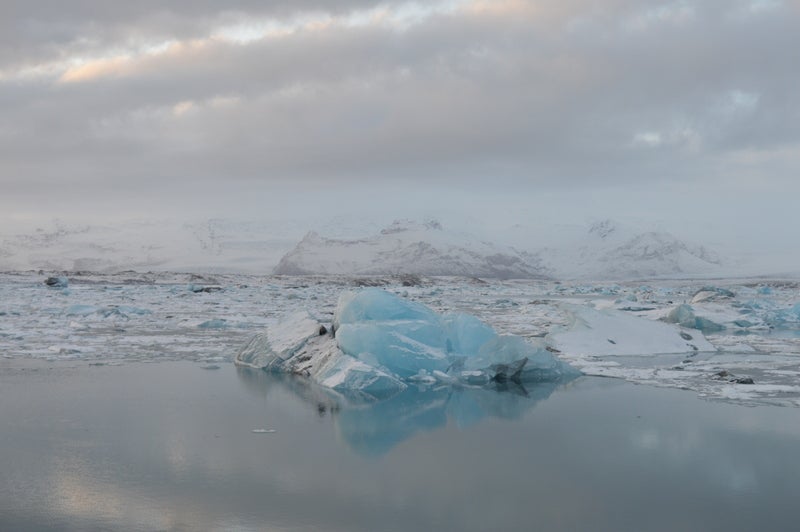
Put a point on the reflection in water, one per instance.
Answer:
(373, 428)
(170, 447)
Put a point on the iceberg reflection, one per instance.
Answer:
(375, 427)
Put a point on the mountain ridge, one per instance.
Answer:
(569, 250)
(407, 247)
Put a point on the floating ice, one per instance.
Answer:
(57, 282)
(119, 311)
(216, 323)
(684, 316)
(198, 288)
(613, 333)
(379, 342)
(81, 310)
(712, 293)
(785, 317)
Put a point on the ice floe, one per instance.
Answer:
(612, 332)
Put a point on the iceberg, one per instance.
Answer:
(379, 343)
(607, 332)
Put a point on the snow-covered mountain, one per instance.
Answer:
(606, 250)
(657, 254)
(210, 245)
(407, 247)
(602, 250)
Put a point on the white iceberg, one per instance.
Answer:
(609, 332)
(379, 342)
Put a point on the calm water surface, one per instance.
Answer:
(170, 446)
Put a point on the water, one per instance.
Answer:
(170, 446)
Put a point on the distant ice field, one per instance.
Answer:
(733, 340)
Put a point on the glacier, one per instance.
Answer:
(378, 343)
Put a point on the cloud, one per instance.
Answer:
(95, 96)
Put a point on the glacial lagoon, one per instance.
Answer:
(121, 409)
(172, 446)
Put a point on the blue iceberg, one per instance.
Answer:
(379, 343)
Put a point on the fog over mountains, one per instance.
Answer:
(602, 250)
(407, 247)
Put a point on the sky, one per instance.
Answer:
(509, 111)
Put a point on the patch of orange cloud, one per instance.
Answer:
(98, 68)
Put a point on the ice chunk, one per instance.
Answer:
(406, 337)
(271, 349)
(403, 346)
(684, 316)
(378, 305)
(118, 311)
(466, 334)
(786, 317)
(57, 282)
(128, 310)
(81, 310)
(712, 293)
(197, 288)
(609, 332)
(351, 375)
(215, 323)
(299, 345)
(707, 326)
(380, 341)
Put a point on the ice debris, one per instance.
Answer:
(57, 282)
(379, 343)
(712, 293)
(197, 288)
(112, 311)
(216, 323)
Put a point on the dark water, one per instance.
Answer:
(170, 447)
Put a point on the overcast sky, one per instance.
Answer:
(671, 109)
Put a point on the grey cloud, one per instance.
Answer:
(552, 94)
(46, 27)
